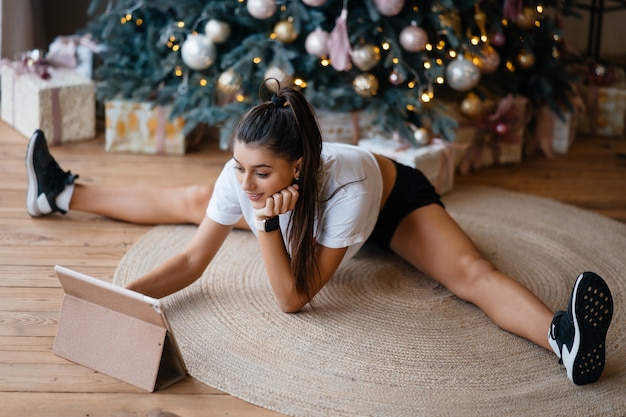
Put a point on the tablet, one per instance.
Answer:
(116, 331)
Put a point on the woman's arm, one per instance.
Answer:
(278, 267)
(187, 266)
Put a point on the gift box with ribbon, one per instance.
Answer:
(75, 52)
(604, 94)
(59, 101)
(499, 137)
(435, 161)
(554, 133)
(347, 127)
(143, 127)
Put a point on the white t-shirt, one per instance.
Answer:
(346, 219)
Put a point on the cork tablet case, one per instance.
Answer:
(116, 331)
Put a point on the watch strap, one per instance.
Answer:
(267, 225)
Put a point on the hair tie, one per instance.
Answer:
(278, 101)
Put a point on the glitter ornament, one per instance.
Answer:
(525, 59)
(277, 73)
(217, 31)
(413, 38)
(461, 74)
(421, 136)
(285, 31)
(261, 9)
(365, 85)
(198, 52)
(316, 43)
(471, 106)
(389, 7)
(365, 57)
(229, 82)
(526, 18)
(314, 3)
(490, 61)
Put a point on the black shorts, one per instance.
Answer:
(411, 191)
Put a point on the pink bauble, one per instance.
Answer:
(413, 38)
(261, 9)
(498, 39)
(314, 3)
(316, 43)
(389, 7)
(501, 129)
(490, 60)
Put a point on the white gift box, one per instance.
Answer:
(63, 106)
(436, 161)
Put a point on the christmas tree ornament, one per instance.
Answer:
(217, 31)
(501, 129)
(490, 60)
(471, 106)
(461, 74)
(285, 31)
(413, 38)
(526, 18)
(261, 9)
(498, 39)
(316, 43)
(525, 59)
(395, 78)
(229, 82)
(314, 3)
(198, 52)
(366, 56)
(339, 42)
(481, 21)
(365, 85)
(421, 136)
(277, 73)
(389, 7)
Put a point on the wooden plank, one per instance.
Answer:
(160, 404)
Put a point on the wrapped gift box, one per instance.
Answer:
(490, 147)
(347, 127)
(142, 127)
(63, 106)
(435, 161)
(554, 134)
(605, 110)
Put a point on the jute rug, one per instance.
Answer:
(384, 340)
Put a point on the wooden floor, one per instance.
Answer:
(34, 382)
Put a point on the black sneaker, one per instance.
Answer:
(578, 335)
(46, 180)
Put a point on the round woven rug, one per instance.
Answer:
(385, 340)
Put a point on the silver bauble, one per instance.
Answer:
(461, 74)
(198, 52)
(365, 57)
(217, 31)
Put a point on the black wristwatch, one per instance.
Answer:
(267, 225)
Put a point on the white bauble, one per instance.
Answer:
(217, 31)
(421, 136)
(261, 9)
(461, 74)
(278, 74)
(198, 52)
(316, 43)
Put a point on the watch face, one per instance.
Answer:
(272, 224)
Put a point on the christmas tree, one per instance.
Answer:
(405, 61)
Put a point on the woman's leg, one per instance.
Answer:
(144, 205)
(433, 242)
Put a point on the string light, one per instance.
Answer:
(203, 82)
(325, 62)
(439, 80)
(410, 107)
(178, 71)
(452, 53)
(139, 22)
(257, 60)
(429, 47)
(386, 46)
(181, 24)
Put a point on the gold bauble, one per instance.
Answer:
(366, 56)
(471, 106)
(285, 31)
(365, 85)
(229, 82)
(526, 18)
(525, 59)
(278, 74)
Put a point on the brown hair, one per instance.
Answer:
(286, 125)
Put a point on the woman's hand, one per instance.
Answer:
(279, 203)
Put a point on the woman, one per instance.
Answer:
(312, 206)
